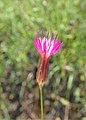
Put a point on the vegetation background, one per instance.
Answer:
(65, 91)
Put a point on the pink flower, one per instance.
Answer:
(46, 47)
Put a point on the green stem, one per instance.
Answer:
(41, 103)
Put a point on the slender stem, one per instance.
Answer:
(41, 103)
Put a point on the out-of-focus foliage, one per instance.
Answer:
(20, 21)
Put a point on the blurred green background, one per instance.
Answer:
(20, 22)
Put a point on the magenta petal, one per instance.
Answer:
(43, 44)
(38, 45)
(56, 48)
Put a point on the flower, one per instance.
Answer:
(46, 47)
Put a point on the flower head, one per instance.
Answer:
(46, 47)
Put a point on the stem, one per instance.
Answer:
(41, 103)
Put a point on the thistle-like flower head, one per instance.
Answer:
(47, 46)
